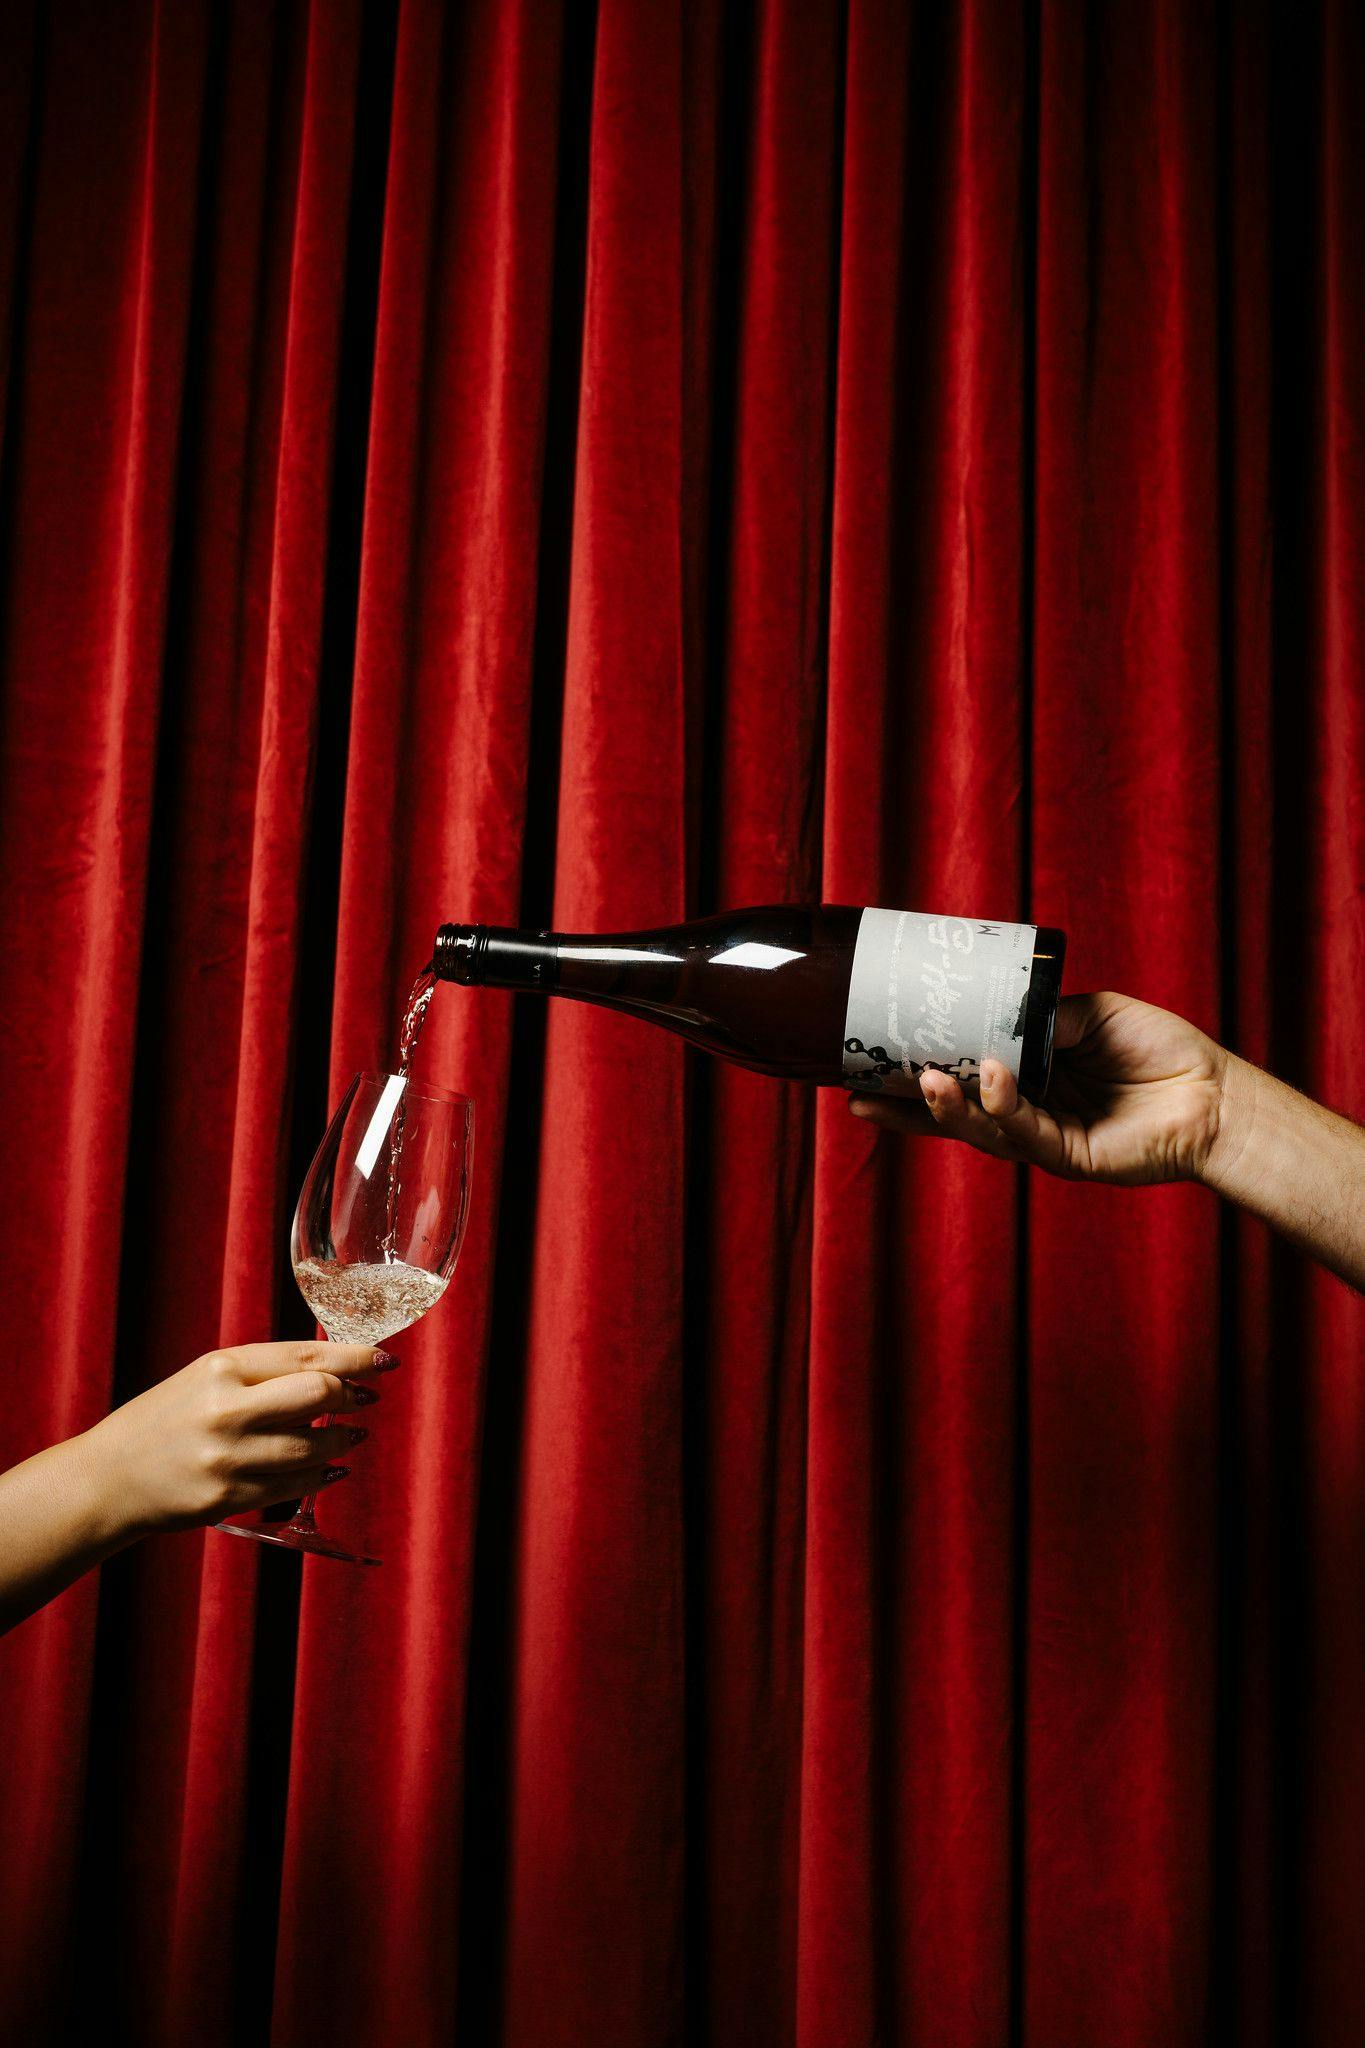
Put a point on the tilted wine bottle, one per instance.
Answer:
(859, 999)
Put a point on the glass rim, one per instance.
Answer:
(424, 1091)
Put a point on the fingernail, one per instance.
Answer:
(385, 1361)
(355, 1436)
(333, 1472)
(364, 1397)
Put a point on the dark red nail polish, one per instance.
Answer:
(333, 1472)
(385, 1361)
(364, 1397)
(356, 1436)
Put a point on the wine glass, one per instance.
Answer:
(377, 1231)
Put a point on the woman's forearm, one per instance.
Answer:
(58, 1517)
(1298, 1166)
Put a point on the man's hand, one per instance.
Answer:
(1136, 1097)
(1139, 1095)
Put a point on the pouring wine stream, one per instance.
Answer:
(419, 1002)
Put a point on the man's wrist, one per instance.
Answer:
(1238, 1103)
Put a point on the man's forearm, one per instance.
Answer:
(1298, 1166)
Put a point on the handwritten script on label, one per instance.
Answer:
(944, 983)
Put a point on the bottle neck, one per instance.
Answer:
(630, 970)
(499, 955)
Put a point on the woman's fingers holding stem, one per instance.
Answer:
(302, 1397)
(256, 1364)
(294, 1454)
(266, 1385)
(271, 1489)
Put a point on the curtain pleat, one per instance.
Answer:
(436, 796)
(595, 1850)
(587, 467)
(1125, 735)
(200, 1960)
(97, 353)
(911, 1483)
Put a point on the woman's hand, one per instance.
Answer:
(232, 1431)
(1137, 1096)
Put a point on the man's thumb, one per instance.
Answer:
(1078, 1016)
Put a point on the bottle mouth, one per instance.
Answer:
(457, 951)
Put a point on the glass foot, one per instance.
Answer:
(290, 1538)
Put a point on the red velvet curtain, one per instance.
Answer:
(587, 467)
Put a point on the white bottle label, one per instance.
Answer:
(930, 991)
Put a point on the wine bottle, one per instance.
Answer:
(850, 998)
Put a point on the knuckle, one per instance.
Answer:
(221, 1404)
(215, 1465)
(254, 1493)
(220, 1367)
(315, 1388)
(212, 1493)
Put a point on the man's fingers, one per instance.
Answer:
(1002, 1124)
(1036, 1133)
(957, 1116)
(893, 1113)
(945, 1112)
(256, 1363)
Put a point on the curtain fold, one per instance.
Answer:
(1125, 753)
(435, 800)
(591, 466)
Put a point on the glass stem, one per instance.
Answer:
(302, 1518)
(303, 1514)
